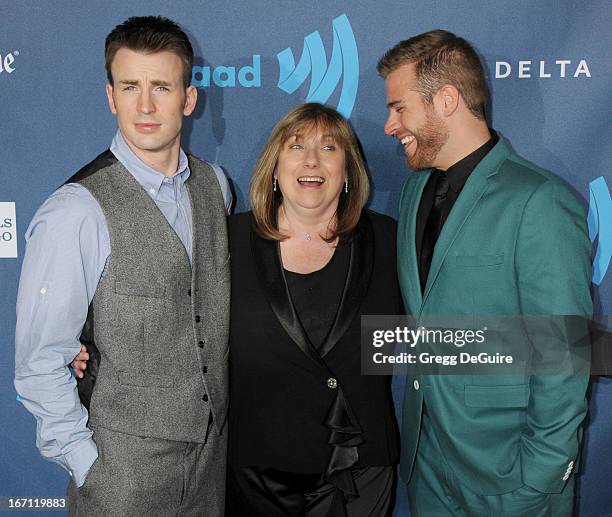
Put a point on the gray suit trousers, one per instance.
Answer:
(138, 476)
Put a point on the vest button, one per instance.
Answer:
(189, 292)
(201, 344)
(197, 318)
(205, 398)
(204, 369)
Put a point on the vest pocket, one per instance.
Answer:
(131, 287)
(144, 380)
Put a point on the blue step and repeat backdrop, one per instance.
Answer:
(550, 75)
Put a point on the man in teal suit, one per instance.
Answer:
(483, 232)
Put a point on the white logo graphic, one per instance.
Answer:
(6, 62)
(8, 231)
(562, 68)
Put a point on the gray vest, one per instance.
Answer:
(161, 324)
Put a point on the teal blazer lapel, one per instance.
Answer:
(473, 190)
(407, 259)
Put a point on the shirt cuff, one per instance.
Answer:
(80, 459)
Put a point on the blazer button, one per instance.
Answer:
(332, 383)
(205, 398)
(197, 318)
(201, 344)
(416, 385)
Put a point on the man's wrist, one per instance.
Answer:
(80, 459)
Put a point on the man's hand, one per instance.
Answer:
(79, 363)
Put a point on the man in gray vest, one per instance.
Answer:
(135, 246)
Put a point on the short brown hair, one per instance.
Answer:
(302, 119)
(149, 34)
(441, 58)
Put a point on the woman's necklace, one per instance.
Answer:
(306, 235)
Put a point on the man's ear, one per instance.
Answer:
(191, 97)
(447, 100)
(111, 101)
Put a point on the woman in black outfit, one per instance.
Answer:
(308, 434)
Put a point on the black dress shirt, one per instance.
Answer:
(457, 175)
(316, 296)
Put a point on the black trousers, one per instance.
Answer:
(266, 492)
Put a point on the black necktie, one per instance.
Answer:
(433, 225)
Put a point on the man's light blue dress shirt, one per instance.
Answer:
(67, 253)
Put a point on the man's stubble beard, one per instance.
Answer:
(430, 139)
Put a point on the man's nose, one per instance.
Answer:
(392, 124)
(145, 102)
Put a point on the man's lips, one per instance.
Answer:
(146, 126)
(407, 141)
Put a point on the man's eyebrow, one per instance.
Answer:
(392, 104)
(134, 82)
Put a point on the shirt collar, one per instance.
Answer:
(458, 173)
(150, 179)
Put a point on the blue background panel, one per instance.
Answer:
(54, 118)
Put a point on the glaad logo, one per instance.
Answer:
(225, 76)
(6, 62)
(8, 231)
(324, 78)
(600, 226)
(545, 70)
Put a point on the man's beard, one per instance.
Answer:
(430, 139)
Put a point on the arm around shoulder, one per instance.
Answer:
(66, 252)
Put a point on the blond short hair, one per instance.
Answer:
(441, 58)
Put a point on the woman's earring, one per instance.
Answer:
(346, 186)
(274, 185)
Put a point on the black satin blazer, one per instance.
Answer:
(291, 406)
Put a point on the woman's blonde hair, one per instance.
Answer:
(298, 121)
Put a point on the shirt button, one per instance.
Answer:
(201, 344)
(332, 383)
(416, 385)
(197, 318)
(205, 398)
(152, 190)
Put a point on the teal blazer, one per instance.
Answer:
(515, 243)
